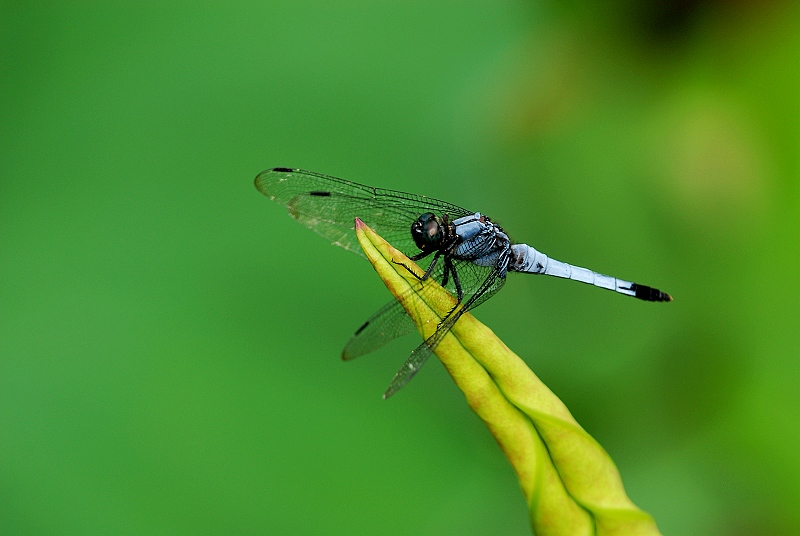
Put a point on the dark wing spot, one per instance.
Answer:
(362, 328)
(320, 194)
(643, 292)
(283, 169)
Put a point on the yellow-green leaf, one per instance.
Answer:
(571, 484)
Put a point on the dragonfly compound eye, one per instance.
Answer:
(427, 232)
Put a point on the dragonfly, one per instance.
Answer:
(463, 250)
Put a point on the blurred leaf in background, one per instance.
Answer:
(169, 343)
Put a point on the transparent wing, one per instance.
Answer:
(490, 285)
(391, 321)
(329, 206)
(388, 323)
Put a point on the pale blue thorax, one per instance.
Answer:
(482, 242)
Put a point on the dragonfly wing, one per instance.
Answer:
(412, 365)
(391, 321)
(491, 284)
(328, 206)
(388, 323)
(321, 217)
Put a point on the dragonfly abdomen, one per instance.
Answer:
(526, 259)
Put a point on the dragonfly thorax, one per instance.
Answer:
(431, 233)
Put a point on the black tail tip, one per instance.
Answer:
(643, 292)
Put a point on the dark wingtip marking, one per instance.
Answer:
(362, 328)
(320, 193)
(643, 292)
(282, 169)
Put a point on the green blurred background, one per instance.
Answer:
(169, 338)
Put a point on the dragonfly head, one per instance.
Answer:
(428, 232)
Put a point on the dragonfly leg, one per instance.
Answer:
(448, 267)
(420, 255)
(428, 272)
